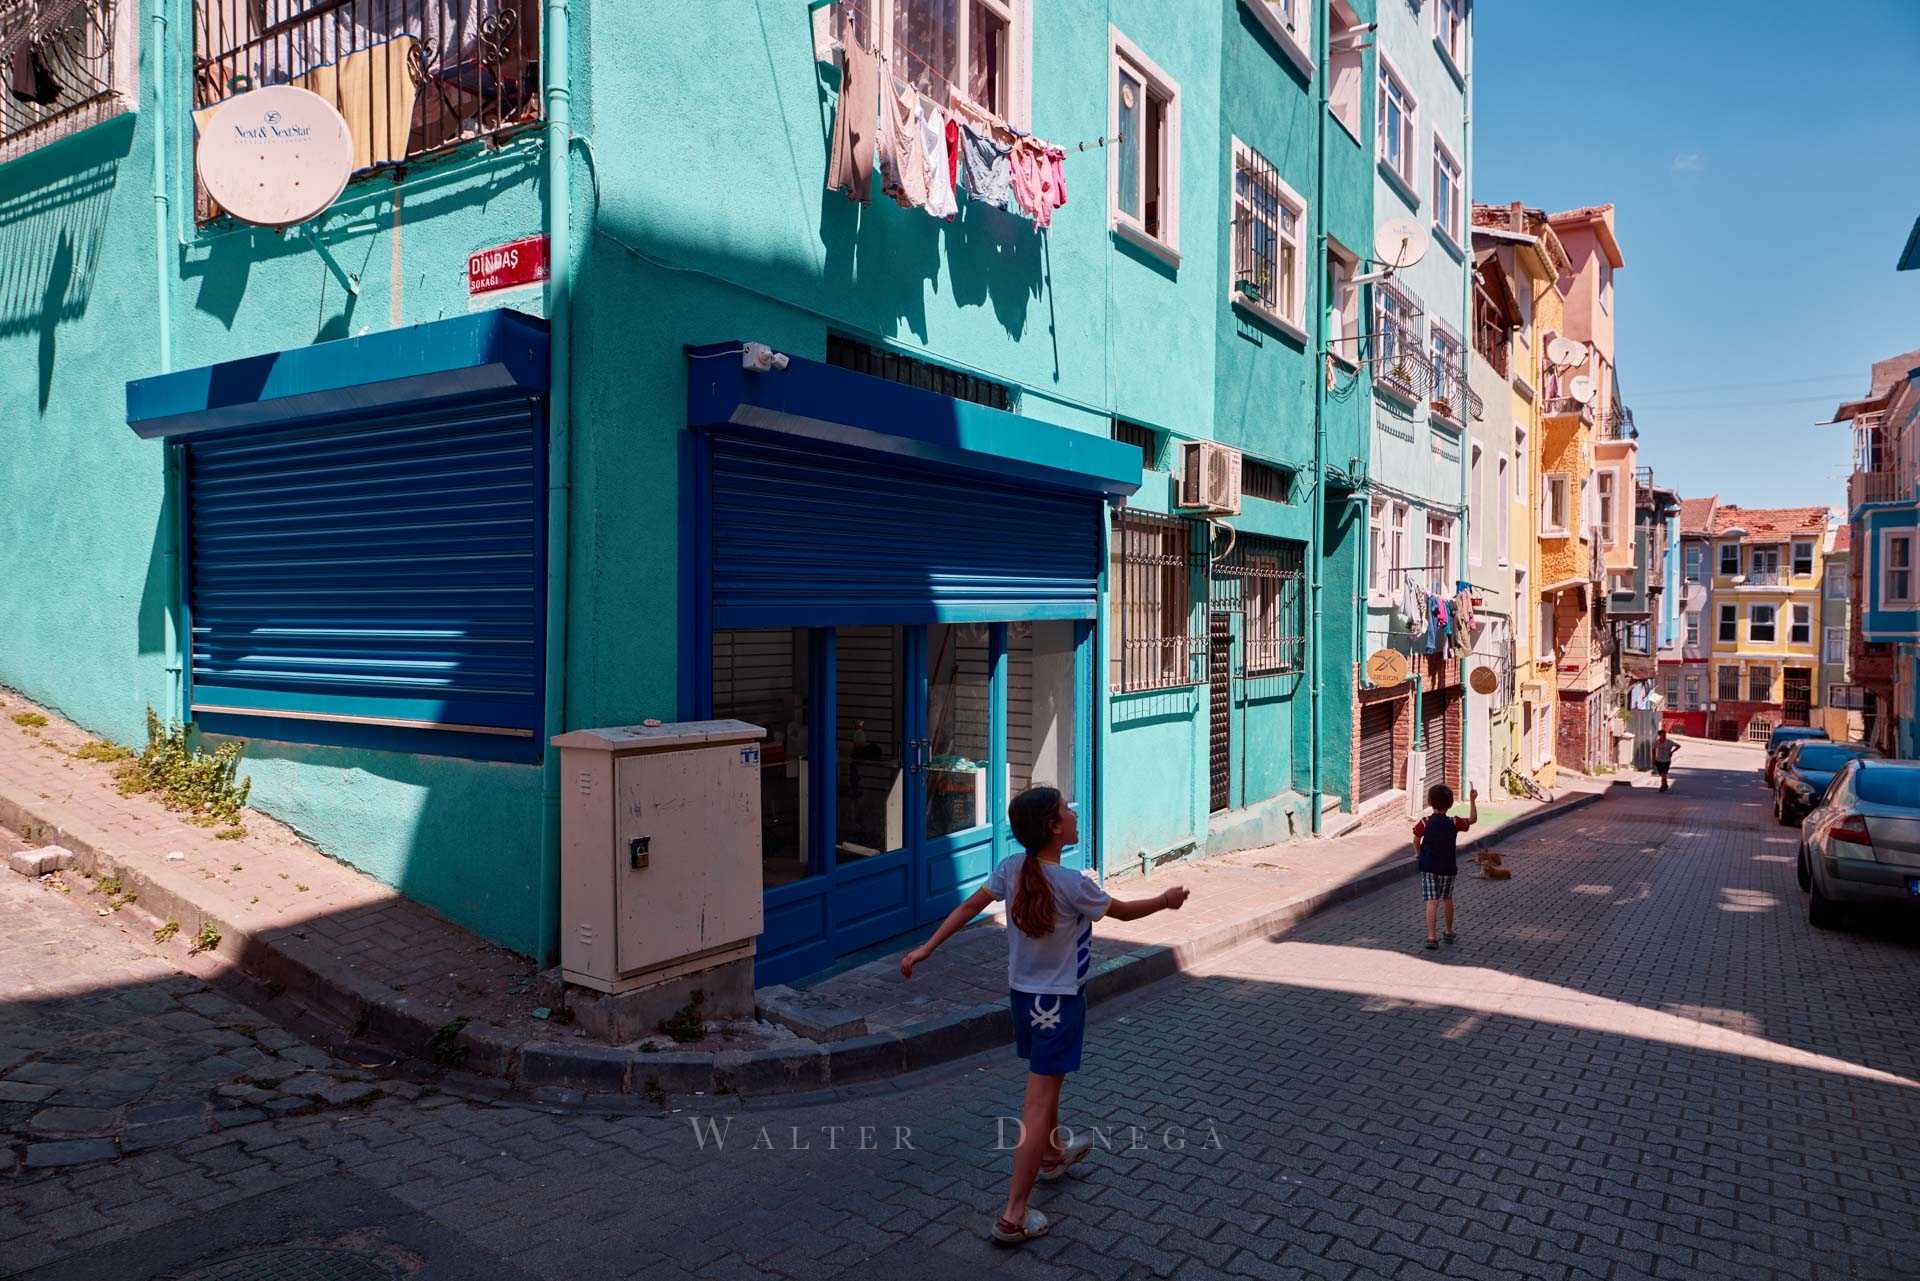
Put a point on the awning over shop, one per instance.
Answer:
(488, 354)
(850, 410)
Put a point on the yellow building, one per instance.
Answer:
(1521, 247)
(1762, 624)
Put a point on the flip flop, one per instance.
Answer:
(1074, 1153)
(1036, 1225)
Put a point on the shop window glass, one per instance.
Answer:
(760, 677)
(870, 797)
(1040, 707)
(957, 749)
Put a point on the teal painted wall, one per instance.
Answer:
(81, 498)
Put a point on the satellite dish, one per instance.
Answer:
(1581, 389)
(1567, 351)
(275, 156)
(1401, 242)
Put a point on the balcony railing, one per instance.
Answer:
(1764, 578)
(1399, 366)
(1568, 407)
(1872, 487)
(69, 64)
(1616, 423)
(412, 77)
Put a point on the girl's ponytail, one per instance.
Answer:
(1032, 815)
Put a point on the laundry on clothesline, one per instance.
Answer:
(929, 152)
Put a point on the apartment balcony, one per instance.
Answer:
(1568, 407)
(1873, 487)
(1616, 424)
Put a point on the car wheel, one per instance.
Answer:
(1800, 872)
(1822, 912)
(1781, 813)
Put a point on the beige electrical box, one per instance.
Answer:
(660, 851)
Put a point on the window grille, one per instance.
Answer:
(1266, 237)
(1264, 480)
(1399, 363)
(1144, 439)
(68, 64)
(1262, 580)
(412, 77)
(1153, 639)
(850, 353)
(1760, 684)
(1729, 684)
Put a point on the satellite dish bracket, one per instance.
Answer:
(348, 281)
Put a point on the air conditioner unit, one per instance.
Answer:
(1209, 477)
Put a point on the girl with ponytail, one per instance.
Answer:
(1050, 910)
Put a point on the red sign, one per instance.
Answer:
(509, 266)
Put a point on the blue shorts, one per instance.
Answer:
(1048, 1031)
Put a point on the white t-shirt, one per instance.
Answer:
(1056, 964)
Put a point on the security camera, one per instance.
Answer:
(758, 358)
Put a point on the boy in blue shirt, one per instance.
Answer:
(1436, 839)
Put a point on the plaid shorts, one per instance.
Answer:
(1433, 886)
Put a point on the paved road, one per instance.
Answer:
(1638, 1062)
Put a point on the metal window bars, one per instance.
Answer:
(863, 358)
(65, 66)
(1257, 212)
(1262, 579)
(1154, 642)
(1616, 423)
(411, 77)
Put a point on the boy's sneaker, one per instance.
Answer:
(1448, 938)
(1433, 945)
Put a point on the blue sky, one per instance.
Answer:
(1764, 159)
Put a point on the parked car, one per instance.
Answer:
(1782, 735)
(1805, 768)
(1861, 844)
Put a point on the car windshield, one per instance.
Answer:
(1825, 759)
(1781, 737)
(1889, 785)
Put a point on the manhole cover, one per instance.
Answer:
(294, 1263)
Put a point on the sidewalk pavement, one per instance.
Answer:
(358, 952)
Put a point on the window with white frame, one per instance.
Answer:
(1760, 620)
(1729, 558)
(1896, 569)
(1696, 557)
(1800, 630)
(1553, 505)
(1729, 629)
(1727, 682)
(1802, 558)
(1477, 523)
(1397, 567)
(1503, 518)
(1439, 559)
(1450, 30)
(1343, 306)
(1760, 684)
(1268, 260)
(1520, 619)
(1396, 324)
(1693, 628)
(1290, 23)
(68, 67)
(1763, 562)
(1395, 120)
(1835, 652)
(976, 49)
(1695, 699)
(1377, 561)
(1449, 396)
(1836, 582)
(1543, 641)
(1447, 189)
(1144, 172)
(1346, 73)
(1605, 481)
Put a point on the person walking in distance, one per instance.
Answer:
(1663, 750)
(1436, 839)
(1051, 911)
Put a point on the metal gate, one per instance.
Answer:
(1797, 694)
(1440, 740)
(1220, 731)
(1376, 749)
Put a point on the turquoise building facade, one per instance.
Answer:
(903, 489)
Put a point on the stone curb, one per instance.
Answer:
(308, 972)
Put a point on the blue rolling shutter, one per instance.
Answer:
(801, 536)
(386, 569)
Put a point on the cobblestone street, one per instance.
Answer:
(1639, 1061)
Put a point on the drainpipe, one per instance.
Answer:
(559, 227)
(163, 328)
(1316, 536)
(1466, 374)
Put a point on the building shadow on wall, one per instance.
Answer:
(53, 221)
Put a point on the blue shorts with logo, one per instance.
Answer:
(1048, 1031)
